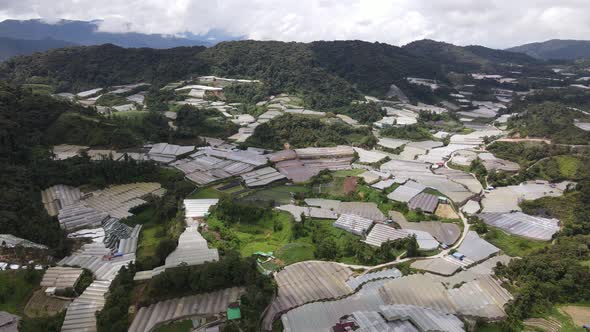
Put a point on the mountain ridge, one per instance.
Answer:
(555, 49)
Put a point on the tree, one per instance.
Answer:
(327, 249)
(412, 248)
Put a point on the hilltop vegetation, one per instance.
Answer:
(550, 120)
(300, 132)
(556, 49)
(465, 59)
(373, 67)
(324, 74)
(81, 68)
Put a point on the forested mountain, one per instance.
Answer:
(87, 33)
(557, 49)
(373, 67)
(12, 47)
(81, 68)
(327, 74)
(462, 59)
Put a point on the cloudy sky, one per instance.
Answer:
(494, 23)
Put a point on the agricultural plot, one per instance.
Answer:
(282, 194)
(40, 305)
(518, 223)
(201, 305)
(81, 313)
(475, 248)
(447, 233)
(506, 199)
(307, 282)
(456, 185)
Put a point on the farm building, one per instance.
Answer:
(262, 177)
(424, 239)
(391, 143)
(11, 241)
(447, 233)
(441, 265)
(368, 210)
(390, 273)
(306, 282)
(202, 305)
(506, 199)
(382, 233)
(96, 154)
(305, 163)
(371, 177)
(210, 164)
(81, 313)
(311, 212)
(92, 257)
(89, 93)
(198, 208)
(243, 134)
(65, 151)
(370, 156)
(79, 216)
(406, 192)
(167, 153)
(61, 278)
(423, 201)
(426, 290)
(8, 322)
(330, 204)
(96, 207)
(192, 250)
(59, 196)
(424, 319)
(384, 184)
(492, 163)
(354, 224)
(475, 248)
(457, 185)
(518, 223)
(471, 207)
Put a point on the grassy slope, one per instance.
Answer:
(17, 291)
(514, 246)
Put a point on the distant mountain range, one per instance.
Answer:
(26, 37)
(11, 47)
(556, 49)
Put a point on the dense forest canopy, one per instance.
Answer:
(551, 120)
(300, 132)
(325, 74)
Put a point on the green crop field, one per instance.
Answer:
(512, 245)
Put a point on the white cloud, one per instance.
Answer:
(495, 23)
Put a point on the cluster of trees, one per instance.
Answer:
(90, 128)
(552, 275)
(476, 167)
(193, 123)
(300, 131)
(550, 120)
(245, 93)
(365, 113)
(230, 271)
(114, 316)
(233, 212)
(465, 59)
(415, 132)
(329, 246)
(326, 74)
(373, 67)
(525, 153)
(81, 68)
